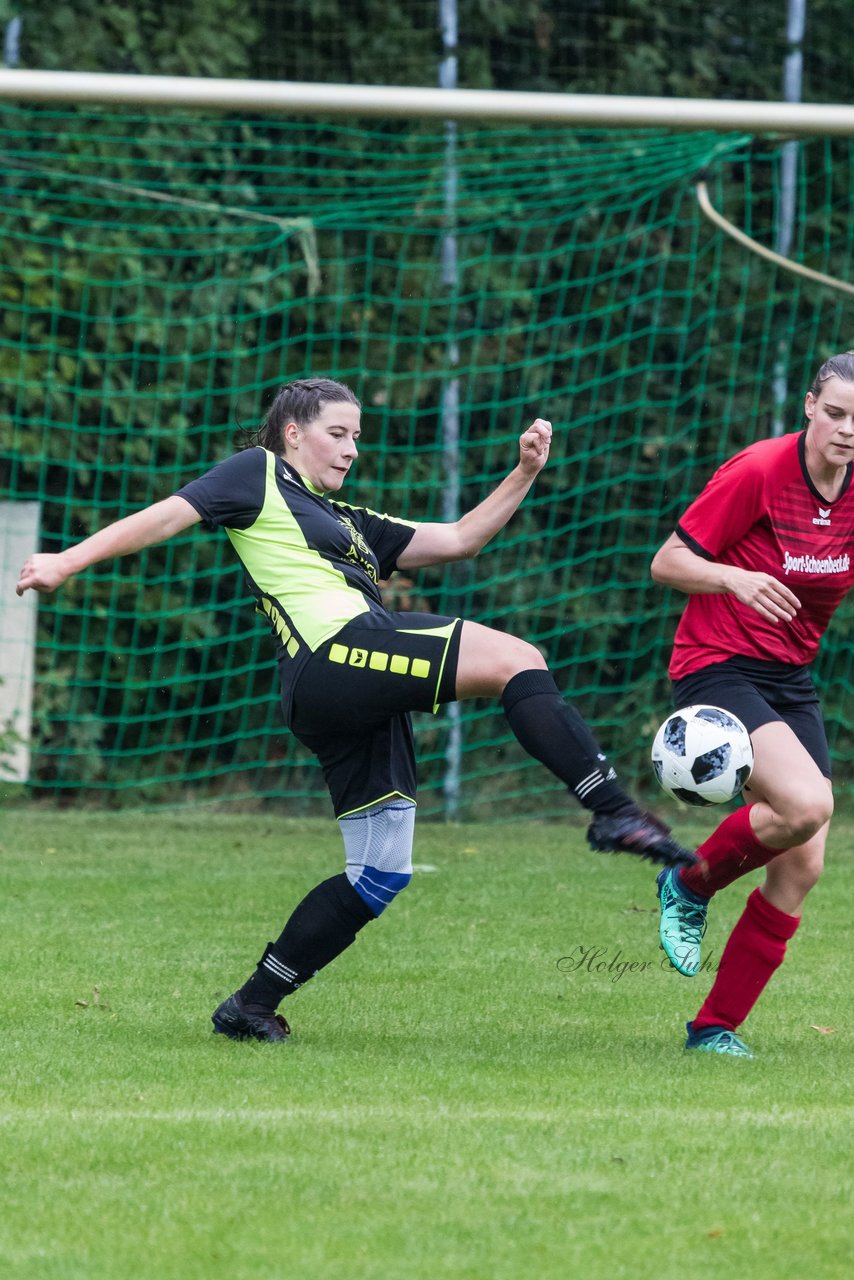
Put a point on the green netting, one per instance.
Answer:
(160, 276)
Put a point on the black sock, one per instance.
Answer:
(551, 730)
(322, 926)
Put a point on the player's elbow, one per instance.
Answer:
(668, 564)
(656, 567)
(465, 543)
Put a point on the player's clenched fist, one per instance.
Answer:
(534, 445)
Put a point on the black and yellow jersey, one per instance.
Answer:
(312, 563)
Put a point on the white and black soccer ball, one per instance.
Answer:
(702, 755)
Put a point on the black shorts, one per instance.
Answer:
(759, 692)
(352, 701)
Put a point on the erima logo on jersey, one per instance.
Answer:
(823, 516)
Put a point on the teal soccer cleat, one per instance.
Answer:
(715, 1040)
(683, 923)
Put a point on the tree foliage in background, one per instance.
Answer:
(186, 421)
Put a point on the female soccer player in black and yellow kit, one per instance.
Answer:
(351, 671)
(765, 555)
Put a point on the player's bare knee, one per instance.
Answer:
(799, 869)
(809, 869)
(518, 656)
(808, 818)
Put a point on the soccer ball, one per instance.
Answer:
(702, 755)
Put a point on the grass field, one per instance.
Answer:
(458, 1098)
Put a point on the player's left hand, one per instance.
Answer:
(534, 446)
(43, 572)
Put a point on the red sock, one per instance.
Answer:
(730, 851)
(755, 949)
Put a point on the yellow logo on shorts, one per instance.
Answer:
(397, 663)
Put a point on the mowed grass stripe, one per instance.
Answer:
(356, 1115)
(452, 1102)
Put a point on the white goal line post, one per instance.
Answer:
(294, 98)
(19, 534)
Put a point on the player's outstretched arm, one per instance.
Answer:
(676, 565)
(463, 538)
(45, 571)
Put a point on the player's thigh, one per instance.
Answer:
(488, 659)
(362, 768)
(781, 711)
(375, 667)
(791, 875)
(786, 776)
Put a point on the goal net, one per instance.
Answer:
(162, 274)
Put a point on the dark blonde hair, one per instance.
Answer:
(300, 402)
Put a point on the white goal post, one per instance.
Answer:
(296, 98)
(19, 535)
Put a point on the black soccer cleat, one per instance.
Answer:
(232, 1019)
(639, 833)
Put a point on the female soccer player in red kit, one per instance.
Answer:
(764, 554)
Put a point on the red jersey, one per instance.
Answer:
(761, 511)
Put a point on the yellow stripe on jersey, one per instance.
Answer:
(280, 562)
(285, 634)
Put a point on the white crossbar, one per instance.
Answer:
(290, 98)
